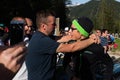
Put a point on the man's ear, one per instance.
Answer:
(43, 26)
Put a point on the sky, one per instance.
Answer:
(82, 1)
(79, 1)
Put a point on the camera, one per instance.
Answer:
(16, 33)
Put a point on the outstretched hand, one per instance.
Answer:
(64, 38)
(11, 59)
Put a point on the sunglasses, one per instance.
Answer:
(73, 28)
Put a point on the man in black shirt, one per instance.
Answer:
(41, 57)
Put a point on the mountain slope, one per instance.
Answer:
(91, 9)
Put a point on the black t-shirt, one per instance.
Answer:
(71, 62)
(87, 61)
(95, 62)
(41, 57)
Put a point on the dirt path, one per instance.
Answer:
(116, 54)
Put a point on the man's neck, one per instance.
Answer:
(42, 31)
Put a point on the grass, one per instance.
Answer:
(117, 41)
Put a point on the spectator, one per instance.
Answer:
(111, 41)
(98, 32)
(22, 73)
(1, 34)
(104, 39)
(16, 30)
(28, 29)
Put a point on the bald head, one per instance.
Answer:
(18, 20)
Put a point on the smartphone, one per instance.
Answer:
(16, 33)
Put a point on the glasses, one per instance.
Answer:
(73, 28)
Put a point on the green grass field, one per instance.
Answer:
(117, 41)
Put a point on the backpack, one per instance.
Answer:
(95, 65)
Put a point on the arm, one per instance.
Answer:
(79, 45)
(64, 39)
(105, 49)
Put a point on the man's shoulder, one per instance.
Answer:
(95, 48)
